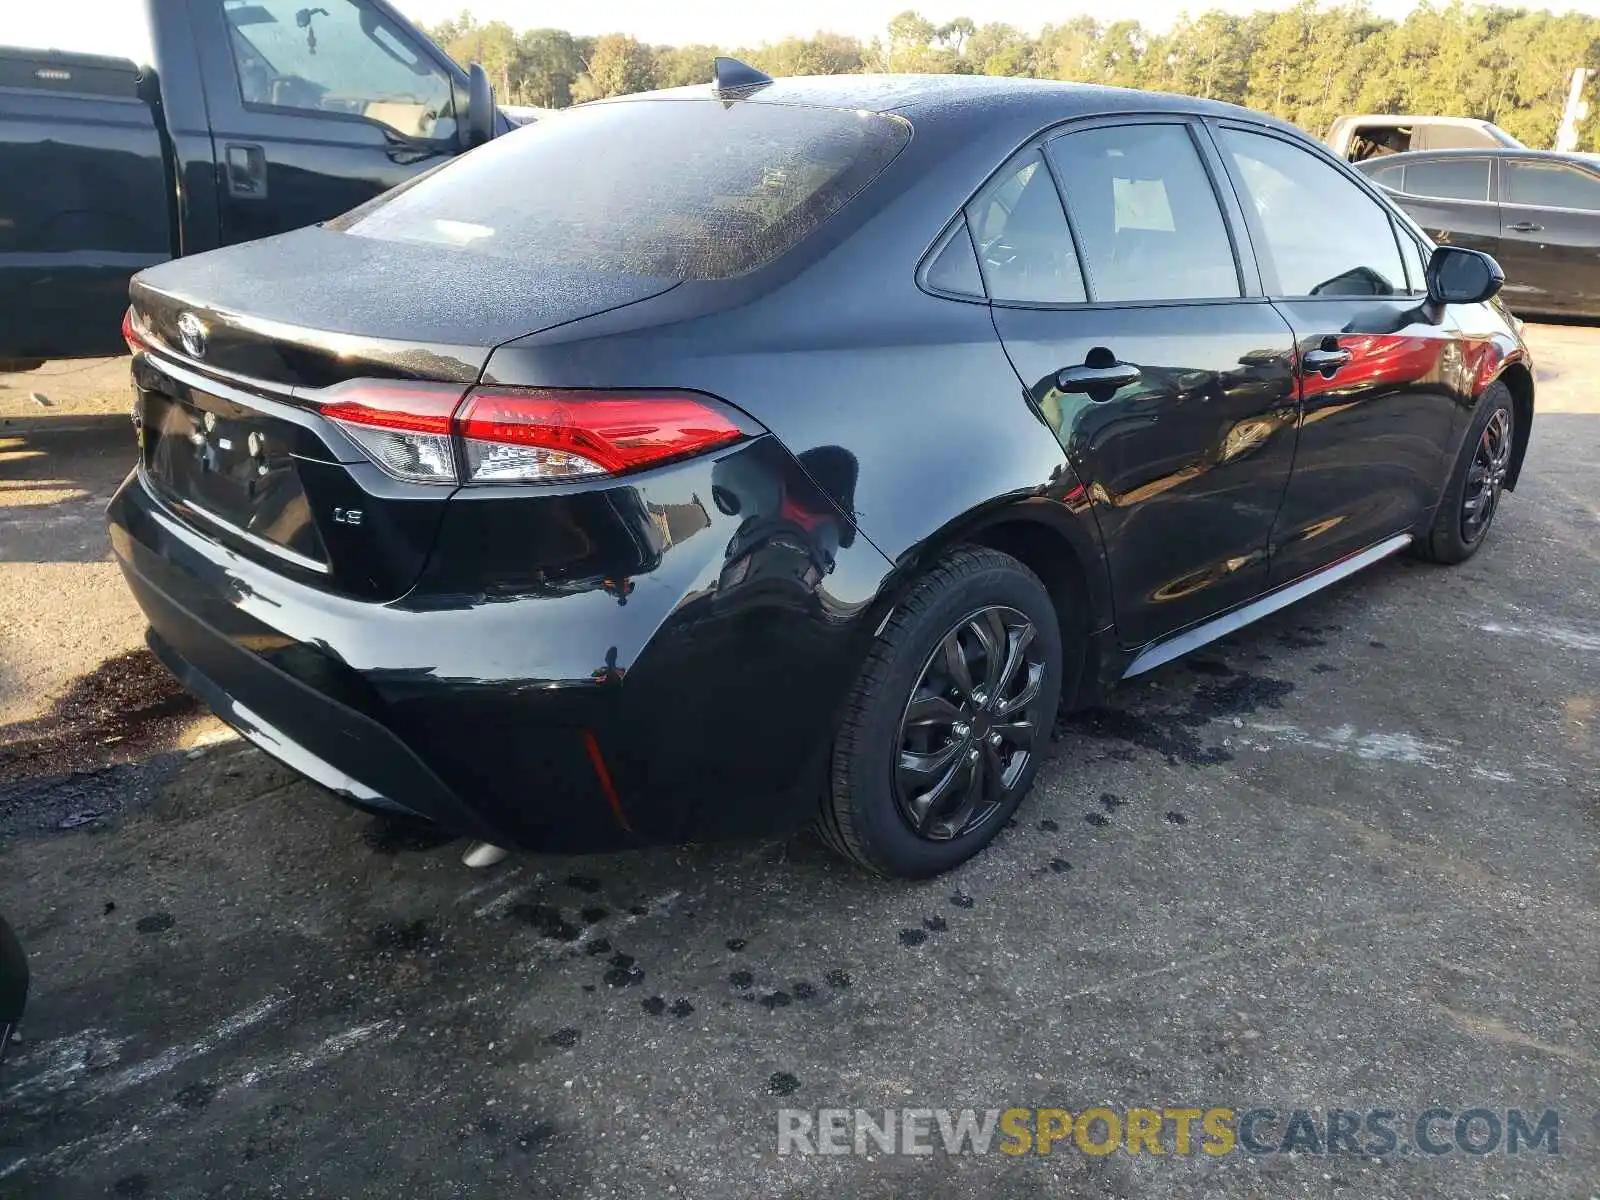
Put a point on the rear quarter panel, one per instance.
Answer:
(904, 413)
(1492, 350)
(842, 355)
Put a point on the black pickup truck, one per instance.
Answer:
(229, 120)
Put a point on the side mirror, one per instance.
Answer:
(1457, 276)
(480, 106)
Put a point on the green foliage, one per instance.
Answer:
(1308, 63)
(552, 60)
(679, 66)
(619, 65)
(825, 54)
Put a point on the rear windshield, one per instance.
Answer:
(680, 189)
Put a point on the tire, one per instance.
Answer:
(13, 984)
(971, 599)
(1484, 458)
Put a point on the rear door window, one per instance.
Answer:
(1550, 185)
(1144, 212)
(680, 189)
(1449, 179)
(1323, 235)
(954, 269)
(1020, 230)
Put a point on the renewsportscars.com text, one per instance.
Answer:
(1175, 1131)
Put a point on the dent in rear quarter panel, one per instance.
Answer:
(912, 392)
(899, 415)
(836, 350)
(901, 412)
(701, 621)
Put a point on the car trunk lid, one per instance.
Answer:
(314, 307)
(239, 350)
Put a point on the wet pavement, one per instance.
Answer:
(1344, 859)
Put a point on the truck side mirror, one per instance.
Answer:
(480, 106)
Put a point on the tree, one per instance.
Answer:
(1063, 50)
(619, 65)
(911, 46)
(955, 33)
(1308, 63)
(1117, 56)
(998, 49)
(493, 45)
(679, 66)
(551, 62)
(1208, 56)
(1283, 60)
(824, 54)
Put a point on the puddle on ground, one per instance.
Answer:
(127, 708)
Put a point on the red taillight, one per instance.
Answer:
(412, 407)
(526, 435)
(516, 435)
(403, 427)
(130, 334)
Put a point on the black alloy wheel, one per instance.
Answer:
(1478, 477)
(968, 732)
(1486, 476)
(950, 717)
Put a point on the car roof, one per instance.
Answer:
(926, 99)
(1384, 160)
(1407, 119)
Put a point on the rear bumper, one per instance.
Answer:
(696, 701)
(325, 733)
(297, 722)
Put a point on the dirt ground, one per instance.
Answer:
(75, 680)
(1345, 858)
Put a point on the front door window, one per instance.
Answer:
(339, 58)
(1551, 184)
(1322, 234)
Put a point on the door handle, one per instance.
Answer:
(1105, 379)
(246, 169)
(1525, 227)
(1327, 361)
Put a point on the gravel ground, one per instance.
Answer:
(1344, 859)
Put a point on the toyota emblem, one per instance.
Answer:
(192, 332)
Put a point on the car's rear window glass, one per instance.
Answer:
(1449, 179)
(954, 269)
(1024, 245)
(681, 189)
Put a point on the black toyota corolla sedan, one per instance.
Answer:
(704, 463)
